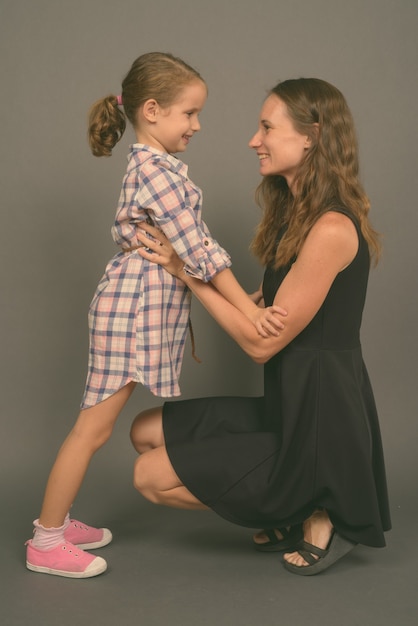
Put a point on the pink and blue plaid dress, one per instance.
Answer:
(139, 315)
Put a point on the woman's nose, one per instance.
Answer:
(254, 141)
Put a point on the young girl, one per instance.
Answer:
(139, 315)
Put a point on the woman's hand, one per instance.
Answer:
(159, 249)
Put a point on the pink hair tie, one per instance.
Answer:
(119, 99)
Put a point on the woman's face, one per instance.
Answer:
(280, 148)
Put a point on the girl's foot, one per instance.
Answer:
(75, 532)
(64, 560)
(87, 537)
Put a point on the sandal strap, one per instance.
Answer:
(274, 539)
(272, 536)
(306, 550)
(286, 534)
(311, 560)
(312, 549)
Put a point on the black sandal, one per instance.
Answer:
(336, 549)
(291, 538)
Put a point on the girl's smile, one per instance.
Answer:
(170, 129)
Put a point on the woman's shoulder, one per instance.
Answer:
(334, 233)
(336, 223)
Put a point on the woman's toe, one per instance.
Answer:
(294, 558)
(260, 537)
(290, 557)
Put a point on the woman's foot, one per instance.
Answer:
(278, 539)
(317, 531)
(261, 538)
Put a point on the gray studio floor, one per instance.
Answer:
(180, 568)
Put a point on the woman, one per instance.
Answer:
(305, 461)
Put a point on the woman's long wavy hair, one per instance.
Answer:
(327, 177)
(155, 75)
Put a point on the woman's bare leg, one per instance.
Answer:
(90, 432)
(156, 480)
(154, 476)
(147, 430)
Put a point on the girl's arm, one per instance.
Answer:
(226, 283)
(166, 196)
(173, 204)
(330, 246)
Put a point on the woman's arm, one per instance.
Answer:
(330, 246)
(226, 283)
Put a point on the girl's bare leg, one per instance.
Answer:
(90, 432)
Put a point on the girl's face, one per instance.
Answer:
(170, 129)
(280, 148)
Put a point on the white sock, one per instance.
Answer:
(49, 538)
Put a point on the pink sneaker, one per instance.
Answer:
(87, 537)
(64, 560)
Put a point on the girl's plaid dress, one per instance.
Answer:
(138, 318)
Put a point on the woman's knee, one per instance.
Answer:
(146, 430)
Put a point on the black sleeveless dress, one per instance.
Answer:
(311, 441)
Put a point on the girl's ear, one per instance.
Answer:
(150, 110)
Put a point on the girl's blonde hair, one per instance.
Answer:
(155, 75)
(327, 178)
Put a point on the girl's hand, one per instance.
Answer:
(159, 250)
(268, 322)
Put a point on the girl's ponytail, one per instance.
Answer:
(106, 126)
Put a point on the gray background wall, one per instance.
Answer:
(58, 202)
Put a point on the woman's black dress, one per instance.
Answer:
(311, 441)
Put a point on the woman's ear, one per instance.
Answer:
(150, 110)
(313, 137)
